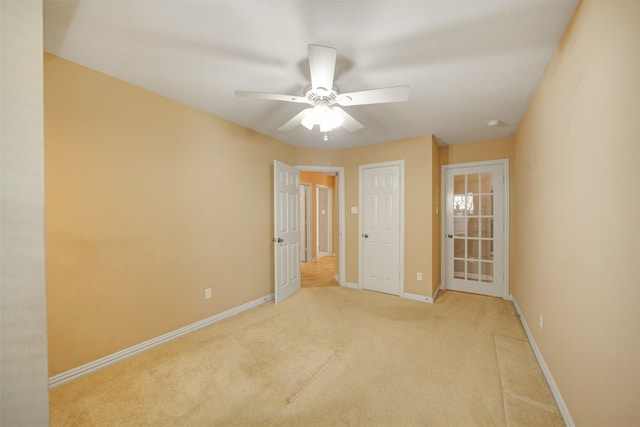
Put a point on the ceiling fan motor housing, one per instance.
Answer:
(321, 94)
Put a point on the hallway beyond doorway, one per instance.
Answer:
(318, 274)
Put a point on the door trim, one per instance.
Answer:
(339, 171)
(361, 168)
(504, 163)
(307, 212)
(329, 219)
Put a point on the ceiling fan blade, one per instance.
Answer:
(322, 65)
(296, 120)
(349, 123)
(374, 96)
(272, 96)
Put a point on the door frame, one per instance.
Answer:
(339, 171)
(329, 220)
(504, 163)
(306, 187)
(361, 168)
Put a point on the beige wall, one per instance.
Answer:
(577, 201)
(24, 397)
(493, 149)
(149, 202)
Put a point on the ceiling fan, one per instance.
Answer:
(326, 101)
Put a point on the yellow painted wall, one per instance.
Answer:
(577, 175)
(493, 149)
(148, 202)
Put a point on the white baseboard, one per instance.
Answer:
(421, 298)
(435, 294)
(351, 285)
(414, 297)
(564, 411)
(103, 362)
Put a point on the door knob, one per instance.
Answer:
(365, 235)
(450, 236)
(278, 240)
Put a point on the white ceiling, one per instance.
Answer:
(466, 62)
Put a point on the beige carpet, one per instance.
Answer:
(328, 356)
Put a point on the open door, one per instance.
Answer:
(286, 241)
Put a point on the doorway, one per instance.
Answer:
(325, 264)
(475, 227)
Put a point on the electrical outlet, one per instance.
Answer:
(541, 320)
(419, 276)
(207, 293)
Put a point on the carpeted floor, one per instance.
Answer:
(328, 356)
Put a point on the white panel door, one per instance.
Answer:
(474, 229)
(286, 190)
(381, 259)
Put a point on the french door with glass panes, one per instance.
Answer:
(475, 237)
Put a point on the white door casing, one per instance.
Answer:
(381, 227)
(286, 241)
(475, 237)
(305, 222)
(324, 216)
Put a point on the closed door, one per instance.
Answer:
(286, 184)
(381, 204)
(475, 238)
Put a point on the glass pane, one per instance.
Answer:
(487, 205)
(487, 272)
(459, 228)
(472, 270)
(458, 248)
(458, 184)
(472, 183)
(487, 250)
(472, 249)
(459, 204)
(487, 227)
(458, 269)
(473, 229)
(472, 205)
(486, 185)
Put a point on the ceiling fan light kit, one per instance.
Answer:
(322, 115)
(325, 98)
